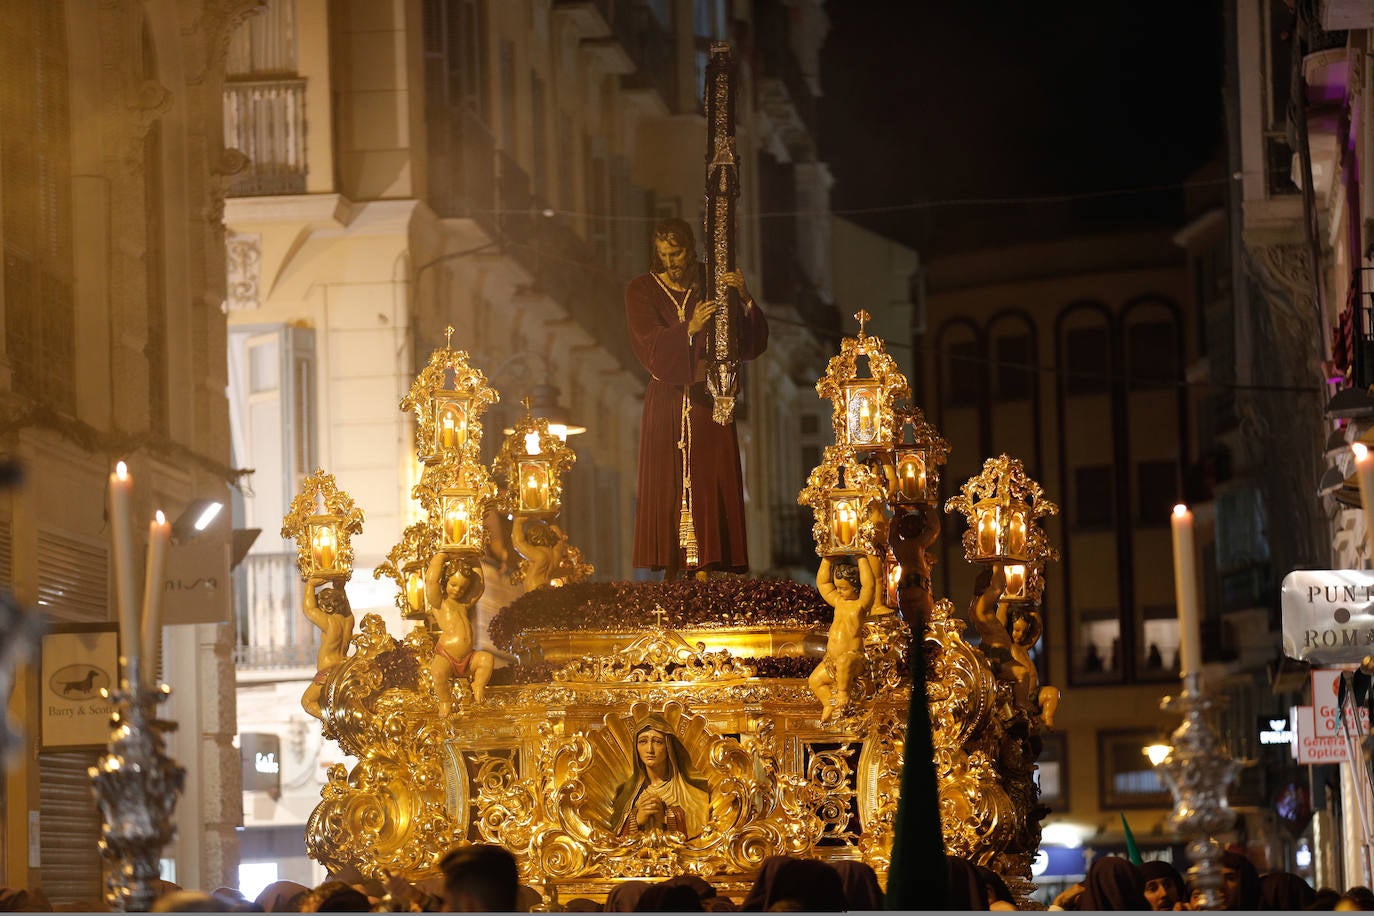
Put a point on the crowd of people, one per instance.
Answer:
(484, 878)
(1114, 883)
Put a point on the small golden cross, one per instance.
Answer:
(448, 337)
(659, 614)
(862, 317)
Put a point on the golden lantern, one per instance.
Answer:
(460, 521)
(322, 520)
(863, 416)
(406, 564)
(530, 468)
(447, 399)
(843, 494)
(1002, 506)
(916, 460)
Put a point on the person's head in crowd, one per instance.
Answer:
(1113, 883)
(527, 898)
(967, 890)
(335, 897)
(480, 878)
(669, 898)
(624, 898)
(718, 904)
(582, 905)
(1240, 887)
(860, 882)
(1326, 899)
(1355, 899)
(1283, 890)
(282, 897)
(788, 884)
(19, 900)
(1163, 884)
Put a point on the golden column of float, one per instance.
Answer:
(546, 762)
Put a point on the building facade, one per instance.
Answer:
(112, 181)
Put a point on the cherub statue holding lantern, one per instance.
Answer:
(451, 600)
(322, 520)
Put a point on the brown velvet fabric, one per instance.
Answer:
(660, 341)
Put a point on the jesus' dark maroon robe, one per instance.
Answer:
(660, 341)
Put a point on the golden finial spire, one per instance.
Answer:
(862, 317)
(448, 337)
(526, 401)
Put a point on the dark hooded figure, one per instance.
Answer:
(623, 898)
(699, 886)
(1113, 883)
(967, 890)
(1163, 884)
(669, 898)
(1326, 899)
(860, 883)
(785, 883)
(1283, 890)
(999, 895)
(1240, 884)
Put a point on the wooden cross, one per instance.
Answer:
(448, 337)
(862, 317)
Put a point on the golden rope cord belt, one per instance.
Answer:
(686, 526)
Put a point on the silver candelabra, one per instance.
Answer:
(136, 785)
(1199, 771)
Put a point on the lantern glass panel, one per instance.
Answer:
(415, 590)
(534, 486)
(1016, 582)
(911, 475)
(989, 531)
(844, 523)
(324, 544)
(451, 424)
(861, 415)
(1016, 533)
(457, 521)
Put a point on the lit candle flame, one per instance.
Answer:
(846, 525)
(325, 548)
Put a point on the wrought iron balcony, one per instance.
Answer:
(272, 630)
(265, 120)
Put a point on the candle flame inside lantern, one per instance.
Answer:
(415, 591)
(1016, 581)
(533, 489)
(846, 524)
(911, 477)
(326, 547)
(456, 522)
(453, 428)
(988, 532)
(862, 425)
(1016, 534)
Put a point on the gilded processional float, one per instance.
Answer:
(687, 727)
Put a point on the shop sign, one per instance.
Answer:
(260, 755)
(1328, 616)
(1275, 730)
(1311, 747)
(1326, 684)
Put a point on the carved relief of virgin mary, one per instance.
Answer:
(663, 790)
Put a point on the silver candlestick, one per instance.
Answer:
(136, 786)
(1199, 772)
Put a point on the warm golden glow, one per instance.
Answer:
(911, 476)
(988, 532)
(1157, 753)
(1016, 534)
(325, 546)
(456, 522)
(845, 527)
(453, 427)
(415, 591)
(1016, 581)
(532, 442)
(1180, 510)
(122, 471)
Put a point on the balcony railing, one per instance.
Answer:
(265, 120)
(272, 630)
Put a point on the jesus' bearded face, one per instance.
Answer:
(675, 259)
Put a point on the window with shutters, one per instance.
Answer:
(271, 380)
(73, 577)
(68, 825)
(35, 204)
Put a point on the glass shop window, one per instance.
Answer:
(1088, 359)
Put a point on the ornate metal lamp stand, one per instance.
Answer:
(136, 785)
(1199, 772)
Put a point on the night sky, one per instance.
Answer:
(928, 102)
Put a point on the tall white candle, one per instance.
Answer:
(1364, 472)
(159, 534)
(1185, 591)
(126, 589)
